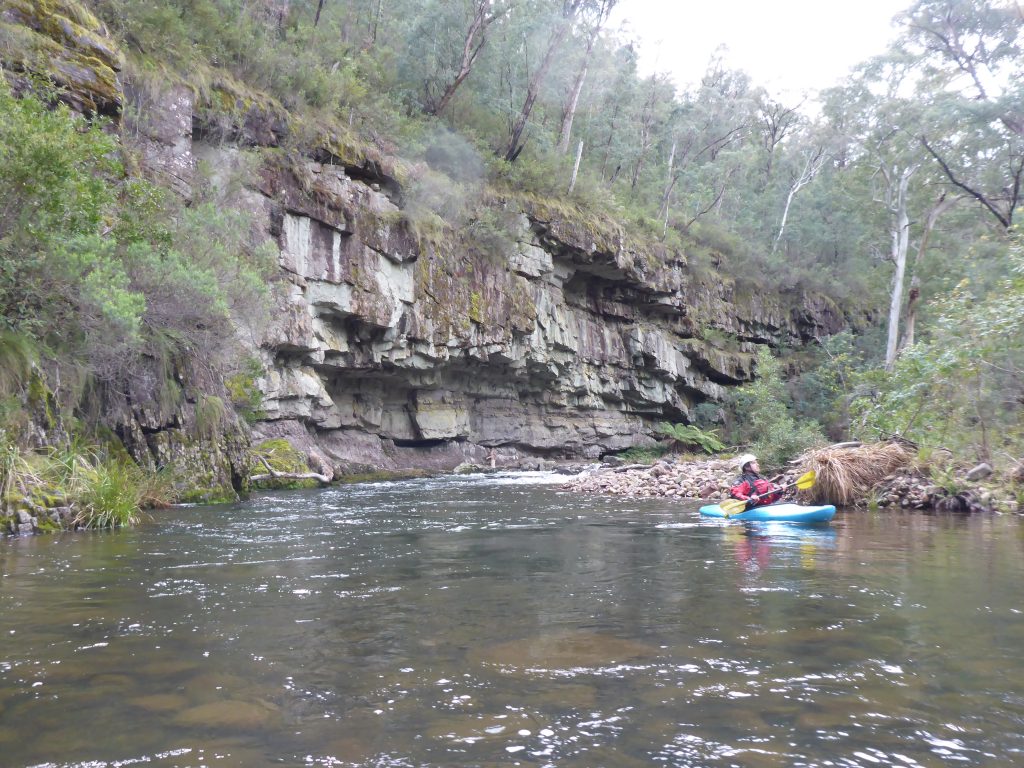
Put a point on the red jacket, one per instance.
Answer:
(754, 485)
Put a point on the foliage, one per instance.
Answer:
(642, 455)
(691, 435)
(108, 491)
(99, 274)
(945, 392)
(112, 494)
(211, 413)
(54, 193)
(765, 420)
(108, 274)
(823, 389)
(244, 392)
(16, 357)
(9, 461)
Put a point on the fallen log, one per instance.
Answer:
(272, 474)
(323, 479)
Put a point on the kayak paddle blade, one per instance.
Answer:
(732, 506)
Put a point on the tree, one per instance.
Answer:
(654, 113)
(562, 22)
(600, 16)
(715, 118)
(814, 159)
(775, 121)
(968, 54)
(945, 392)
(943, 204)
(484, 14)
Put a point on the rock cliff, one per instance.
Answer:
(395, 345)
(389, 350)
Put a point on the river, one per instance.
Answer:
(501, 621)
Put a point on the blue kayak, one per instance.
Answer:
(785, 511)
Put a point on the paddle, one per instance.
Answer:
(735, 506)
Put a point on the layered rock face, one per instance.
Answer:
(389, 351)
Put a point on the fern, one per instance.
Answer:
(690, 435)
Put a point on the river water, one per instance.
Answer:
(501, 621)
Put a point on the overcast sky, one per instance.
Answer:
(788, 46)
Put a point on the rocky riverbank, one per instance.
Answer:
(915, 488)
(666, 478)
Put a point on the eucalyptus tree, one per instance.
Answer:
(711, 124)
(656, 107)
(775, 121)
(447, 43)
(967, 55)
(812, 160)
(882, 135)
(593, 22)
(556, 19)
(615, 115)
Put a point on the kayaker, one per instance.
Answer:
(750, 483)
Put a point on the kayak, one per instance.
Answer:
(785, 510)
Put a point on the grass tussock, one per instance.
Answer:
(846, 475)
(104, 491)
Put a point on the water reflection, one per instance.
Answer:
(753, 543)
(492, 622)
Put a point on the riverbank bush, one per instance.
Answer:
(689, 435)
(762, 417)
(79, 486)
(121, 295)
(960, 387)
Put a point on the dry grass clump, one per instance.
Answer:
(846, 475)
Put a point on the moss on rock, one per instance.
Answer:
(280, 456)
(63, 41)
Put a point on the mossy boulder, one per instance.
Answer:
(63, 41)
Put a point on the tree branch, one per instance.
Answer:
(956, 182)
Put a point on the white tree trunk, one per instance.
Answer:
(570, 110)
(576, 168)
(900, 241)
(812, 165)
(663, 211)
(943, 204)
(785, 215)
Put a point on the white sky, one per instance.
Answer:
(789, 46)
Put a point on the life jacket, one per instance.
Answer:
(751, 484)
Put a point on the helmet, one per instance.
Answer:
(742, 461)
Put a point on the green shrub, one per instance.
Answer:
(245, 395)
(108, 491)
(960, 387)
(643, 455)
(764, 419)
(9, 461)
(54, 171)
(16, 357)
